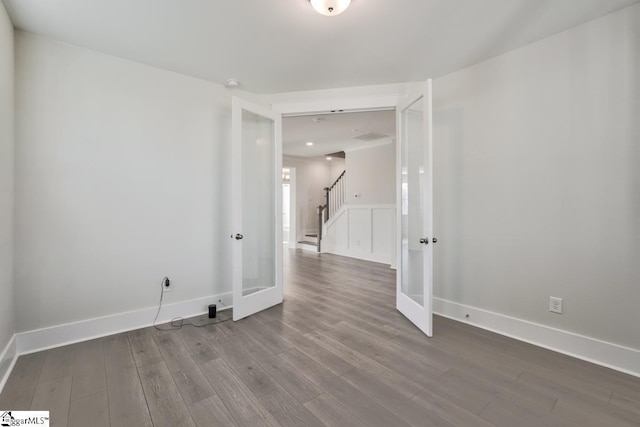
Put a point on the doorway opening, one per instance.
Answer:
(345, 192)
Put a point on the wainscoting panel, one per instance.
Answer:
(362, 231)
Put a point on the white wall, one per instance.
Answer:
(312, 176)
(337, 166)
(6, 185)
(121, 178)
(537, 181)
(371, 173)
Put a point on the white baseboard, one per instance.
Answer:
(308, 248)
(366, 256)
(56, 336)
(614, 356)
(8, 359)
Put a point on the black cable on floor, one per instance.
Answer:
(178, 322)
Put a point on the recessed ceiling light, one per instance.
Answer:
(232, 83)
(329, 158)
(309, 143)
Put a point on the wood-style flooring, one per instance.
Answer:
(336, 353)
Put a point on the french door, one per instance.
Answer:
(414, 204)
(257, 208)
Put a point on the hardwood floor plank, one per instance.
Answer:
(250, 372)
(332, 413)
(54, 396)
(448, 410)
(287, 410)
(185, 372)
(364, 408)
(284, 374)
(411, 359)
(622, 402)
(597, 375)
(245, 408)
(277, 343)
(401, 384)
(559, 387)
(404, 408)
(590, 412)
(90, 410)
(127, 403)
(404, 364)
(503, 413)
(466, 396)
(89, 357)
(318, 353)
(89, 375)
(116, 342)
(21, 386)
(118, 360)
(198, 343)
(160, 392)
(530, 396)
(86, 385)
(58, 363)
(144, 348)
(211, 411)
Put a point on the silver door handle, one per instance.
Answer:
(424, 240)
(238, 236)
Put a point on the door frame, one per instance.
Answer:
(357, 104)
(293, 206)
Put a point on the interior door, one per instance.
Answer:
(415, 207)
(257, 208)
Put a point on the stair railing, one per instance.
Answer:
(334, 197)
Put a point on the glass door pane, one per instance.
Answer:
(413, 181)
(256, 191)
(258, 209)
(414, 288)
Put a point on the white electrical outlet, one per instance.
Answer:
(555, 305)
(167, 285)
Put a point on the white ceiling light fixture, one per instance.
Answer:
(330, 7)
(309, 144)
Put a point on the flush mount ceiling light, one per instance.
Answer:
(330, 7)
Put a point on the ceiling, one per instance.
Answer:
(284, 45)
(331, 133)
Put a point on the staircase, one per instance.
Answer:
(309, 242)
(334, 197)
